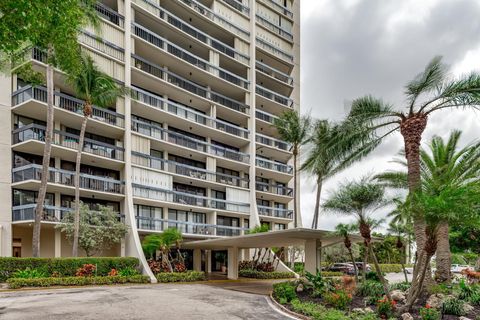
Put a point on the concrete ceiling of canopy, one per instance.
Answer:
(281, 238)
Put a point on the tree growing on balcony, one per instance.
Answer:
(95, 88)
(99, 230)
(51, 27)
(294, 129)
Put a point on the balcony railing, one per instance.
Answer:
(238, 5)
(67, 178)
(101, 45)
(68, 103)
(186, 170)
(147, 223)
(160, 133)
(27, 212)
(190, 30)
(206, 12)
(185, 55)
(187, 85)
(265, 116)
(110, 14)
(272, 165)
(272, 188)
(274, 28)
(188, 199)
(68, 140)
(271, 95)
(275, 212)
(275, 50)
(266, 69)
(279, 8)
(272, 142)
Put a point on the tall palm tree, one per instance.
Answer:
(442, 166)
(344, 230)
(95, 88)
(359, 199)
(430, 91)
(294, 129)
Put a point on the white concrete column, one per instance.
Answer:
(312, 255)
(232, 263)
(197, 259)
(58, 243)
(208, 261)
(122, 248)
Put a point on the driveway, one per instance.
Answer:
(162, 301)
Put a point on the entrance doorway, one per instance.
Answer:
(219, 260)
(17, 248)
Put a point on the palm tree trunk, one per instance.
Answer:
(46, 159)
(365, 260)
(295, 200)
(76, 220)
(379, 271)
(316, 213)
(355, 269)
(443, 256)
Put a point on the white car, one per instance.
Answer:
(458, 268)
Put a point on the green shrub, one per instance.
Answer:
(128, 272)
(64, 267)
(188, 276)
(372, 276)
(319, 283)
(391, 268)
(385, 308)
(454, 307)
(326, 274)
(370, 288)
(470, 293)
(15, 283)
(338, 299)
(439, 289)
(29, 273)
(429, 313)
(284, 292)
(299, 267)
(402, 286)
(248, 273)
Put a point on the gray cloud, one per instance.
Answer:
(352, 48)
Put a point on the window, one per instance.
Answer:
(21, 159)
(188, 134)
(246, 223)
(93, 204)
(228, 172)
(90, 170)
(185, 188)
(156, 153)
(280, 226)
(186, 161)
(24, 197)
(226, 146)
(228, 222)
(148, 217)
(20, 122)
(92, 136)
(190, 219)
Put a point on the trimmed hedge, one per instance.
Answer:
(15, 283)
(332, 274)
(246, 273)
(65, 267)
(188, 276)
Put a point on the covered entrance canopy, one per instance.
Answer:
(312, 240)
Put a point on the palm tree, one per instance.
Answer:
(95, 88)
(400, 231)
(294, 129)
(359, 199)
(430, 91)
(442, 166)
(344, 230)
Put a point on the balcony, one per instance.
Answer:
(110, 15)
(238, 5)
(218, 19)
(68, 103)
(176, 138)
(189, 30)
(274, 189)
(146, 223)
(101, 45)
(274, 28)
(279, 8)
(273, 96)
(272, 142)
(167, 46)
(187, 85)
(64, 139)
(265, 116)
(27, 213)
(272, 165)
(285, 56)
(188, 171)
(67, 178)
(187, 199)
(274, 73)
(275, 212)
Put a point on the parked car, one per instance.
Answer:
(458, 268)
(342, 267)
(360, 267)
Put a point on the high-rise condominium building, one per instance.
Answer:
(192, 147)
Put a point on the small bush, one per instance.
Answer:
(402, 286)
(470, 293)
(385, 308)
(429, 313)
(319, 312)
(188, 276)
(439, 289)
(284, 292)
(113, 273)
(86, 270)
(370, 288)
(332, 274)
(454, 307)
(128, 272)
(265, 275)
(372, 276)
(15, 283)
(319, 283)
(29, 273)
(339, 299)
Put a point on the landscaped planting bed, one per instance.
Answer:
(245, 273)
(187, 276)
(15, 283)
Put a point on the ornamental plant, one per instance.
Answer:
(385, 308)
(339, 299)
(86, 271)
(113, 273)
(429, 313)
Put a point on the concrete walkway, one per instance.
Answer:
(163, 301)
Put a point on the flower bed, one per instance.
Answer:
(188, 276)
(64, 267)
(265, 275)
(15, 283)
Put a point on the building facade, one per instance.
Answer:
(192, 147)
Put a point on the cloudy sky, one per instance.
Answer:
(355, 47)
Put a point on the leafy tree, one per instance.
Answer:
(52, 27)
(430, 91)
(359, 199)
(294, 129)
(95, 88)
(98, 231)
(163, 242)
(344, 230)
